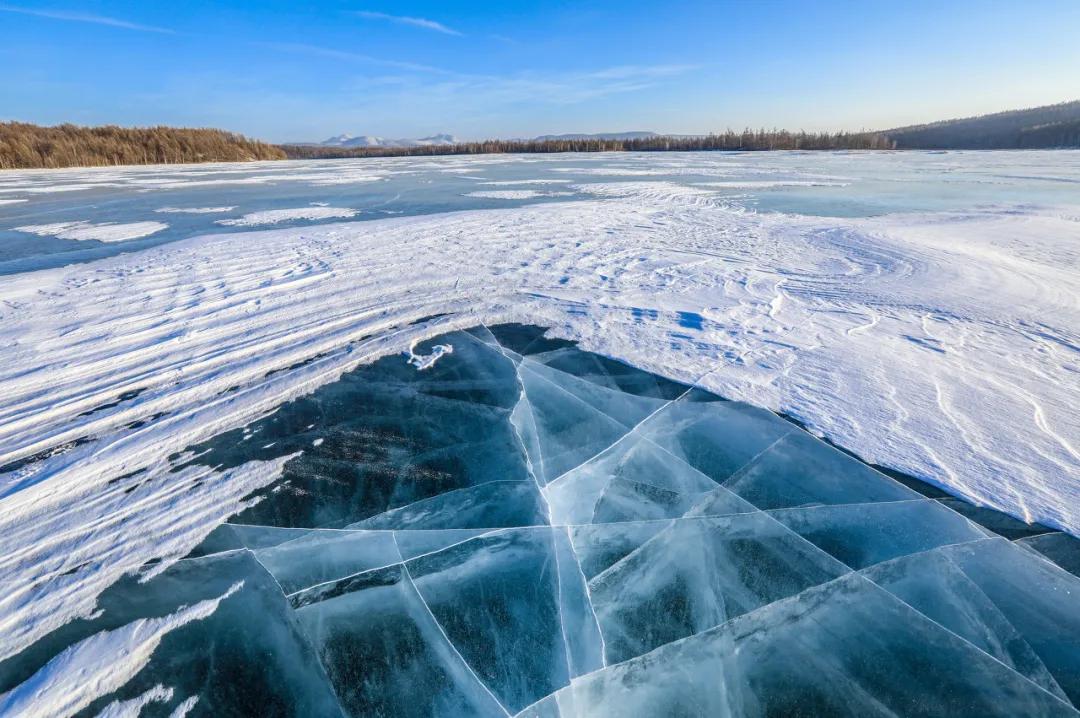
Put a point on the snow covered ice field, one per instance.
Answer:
(522, 525)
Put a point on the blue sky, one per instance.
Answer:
(303, 71)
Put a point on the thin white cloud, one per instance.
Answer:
(489, 91)
(347, 56)
(630, 72)
(405, 20)
(84, 17)
(564, 88)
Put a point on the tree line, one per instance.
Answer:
(27, 146)
(747, 140)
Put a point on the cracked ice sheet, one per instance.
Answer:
(942, 344)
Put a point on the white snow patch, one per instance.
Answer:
(53, 189)
(132, 707)
(426, 361)
(274, 216)
(194, 210)
(654, 191)
(103, 232)
(515, 194)
(98, 665)
(185, 707)
(613, 171)
(511, 183)
(771, 184)
(346, 179)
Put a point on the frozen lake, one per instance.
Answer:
(147, 206)
(921, 310)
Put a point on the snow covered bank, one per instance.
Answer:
(511, 183)
(771, 184)
(514, 194)
(946, 345)
(194, 210)
(274, 216)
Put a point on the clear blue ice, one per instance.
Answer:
(528, 528)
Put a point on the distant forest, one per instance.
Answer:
(1052, 126)
(26, 146)
(745, 140)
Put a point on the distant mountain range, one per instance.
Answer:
(372, 141)
(346, 140)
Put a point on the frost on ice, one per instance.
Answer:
(525, 528)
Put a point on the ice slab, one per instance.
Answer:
(845, 648)
(800, 470)
(1062, 549)
(698, 573)
(568, 430)
(498, 598)
(1039, 599)
(635, 480)
(995, 521)
(610, 373)
(385, 437)
(233, 537)
(495, 504)
(935, 585)
(715, 437)
(865, 534)
(385, 655)
(322, 556)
